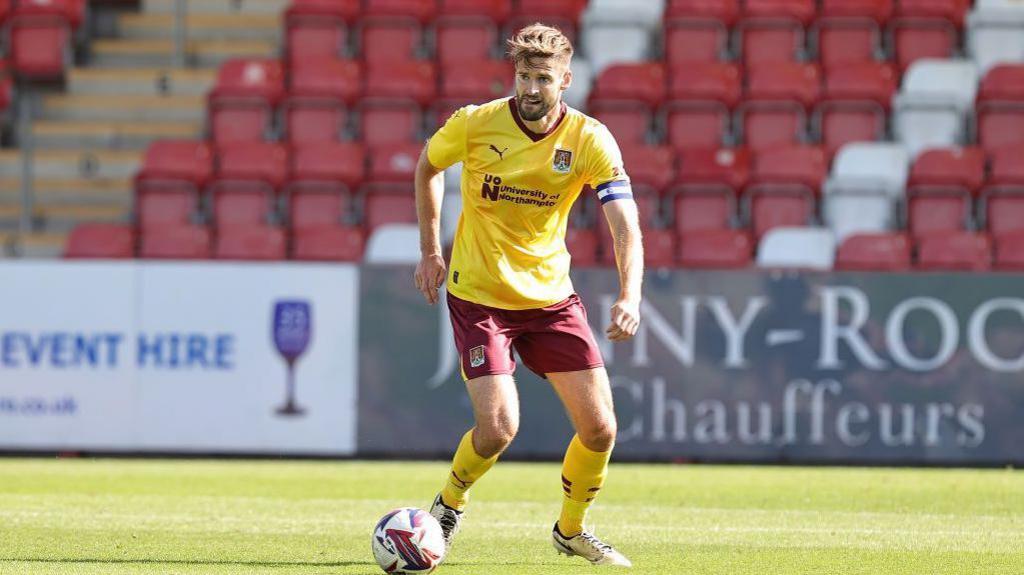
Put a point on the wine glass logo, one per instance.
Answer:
(293, 326)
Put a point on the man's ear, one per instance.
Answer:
(566, 79)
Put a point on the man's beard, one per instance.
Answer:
(541, 109)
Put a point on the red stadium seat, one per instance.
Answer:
(784, 188)
(471, 83)
(241, 105)
(874, 252)
(415, 81)
(701, 98)
(850, 31)
(1009, 252)
(773, 30)
(74, 11)
(495, 10)
(940, 188)
(716, 249)
(779, 96)
(957, 251)
(707, 185)
(926, 29)
(180, 243)
(393, 163)
(650, 168)
(318, 208)
(420, 10)
(248, 179)
(563, 14)
(40, 45)
(316, 109)
(631, 83)
(108, 241)
(382, 123)
(318, 30)
(659, 248)
(339, 164)
(582, 246)
(698, 30)
(169, 184)
(250, 243)
(1001, 205)
(1000, 107)
(328, 243)
(392, 205)
(461, 39)
(659, 240)
(855, 104)
(390, 39)
(629, 124)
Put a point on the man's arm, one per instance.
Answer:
(624, 223)
(431, 271)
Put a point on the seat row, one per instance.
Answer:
(40, 35)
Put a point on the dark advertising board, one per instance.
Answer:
(736, 366)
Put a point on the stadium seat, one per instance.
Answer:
(316, 208)
(392, 30)
(659, 248)
(1009, 252)
(784, 187)
(798, 248)
(849, 32)
(582, 78)
(169, 184)
(582, 246)
(930, 110)
(926, 29)
(250, 174)
(701, 99)
(651, 168)
(711, 249)
(708, 182)
(956, 251)
(328, 243)
(97, 240)
(463, 39)
(866, 182)
(390, 205)
(888, 252)
(250, 243)
(317, 30)
(393, 163)
(496, 11)
(382, 123)
(940, 189)
(773, 30)
(629, 123)
(995, 35)
(619, 31)
(651, 220)
(323, 183)
(698, 30)
(321, 92)
(1001, 204)
(855, 104)
(778, 100)
(394, 244)
(241, 105)
(630, 83)
(1000, 107)
(562, 14)
(179, 243)
(39, 35)
(415, 81)
(465, 83)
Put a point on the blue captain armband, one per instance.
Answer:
(614, 190)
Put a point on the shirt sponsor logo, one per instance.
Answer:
(493, 189)
(562, 162)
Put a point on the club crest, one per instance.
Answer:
(476, 356)
(562, 162)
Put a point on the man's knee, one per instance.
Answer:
(494, 435)
(599, 436)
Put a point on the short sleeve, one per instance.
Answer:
(605, 172)
(448, 145)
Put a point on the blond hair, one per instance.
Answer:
(538, 41)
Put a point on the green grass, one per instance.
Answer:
(115, 516)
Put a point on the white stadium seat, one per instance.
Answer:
(582, 78)
(619, 31)
(393, 244)
(863, 192)
(931, 109)
(802, 248)
(995, 35)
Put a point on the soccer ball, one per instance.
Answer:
(408, 540)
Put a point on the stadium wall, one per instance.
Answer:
(728, 366)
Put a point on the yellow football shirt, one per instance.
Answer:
(517, 189)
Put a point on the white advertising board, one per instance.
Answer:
(178, 357)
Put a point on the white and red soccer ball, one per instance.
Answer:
(407, 541)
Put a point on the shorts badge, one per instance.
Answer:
(562, 161)
(476, 356)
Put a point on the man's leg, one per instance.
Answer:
(587, 398)
(496, 412)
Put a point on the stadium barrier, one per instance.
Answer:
(183, 358)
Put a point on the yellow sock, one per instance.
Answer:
(583, 473)
(467, 467)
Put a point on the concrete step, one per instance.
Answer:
(138, 108)
(141, 81)
(74, 163)
(202, 26)
(110, 134)
(116, 53)
(81, 191)
(218, 6)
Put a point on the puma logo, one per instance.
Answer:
(501, 153)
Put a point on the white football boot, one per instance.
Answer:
(588, 547)
(450, 520)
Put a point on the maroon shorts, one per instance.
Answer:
(550, 339)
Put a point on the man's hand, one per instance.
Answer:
(429, 276)
(625, 320)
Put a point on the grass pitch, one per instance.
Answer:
(114, 517)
